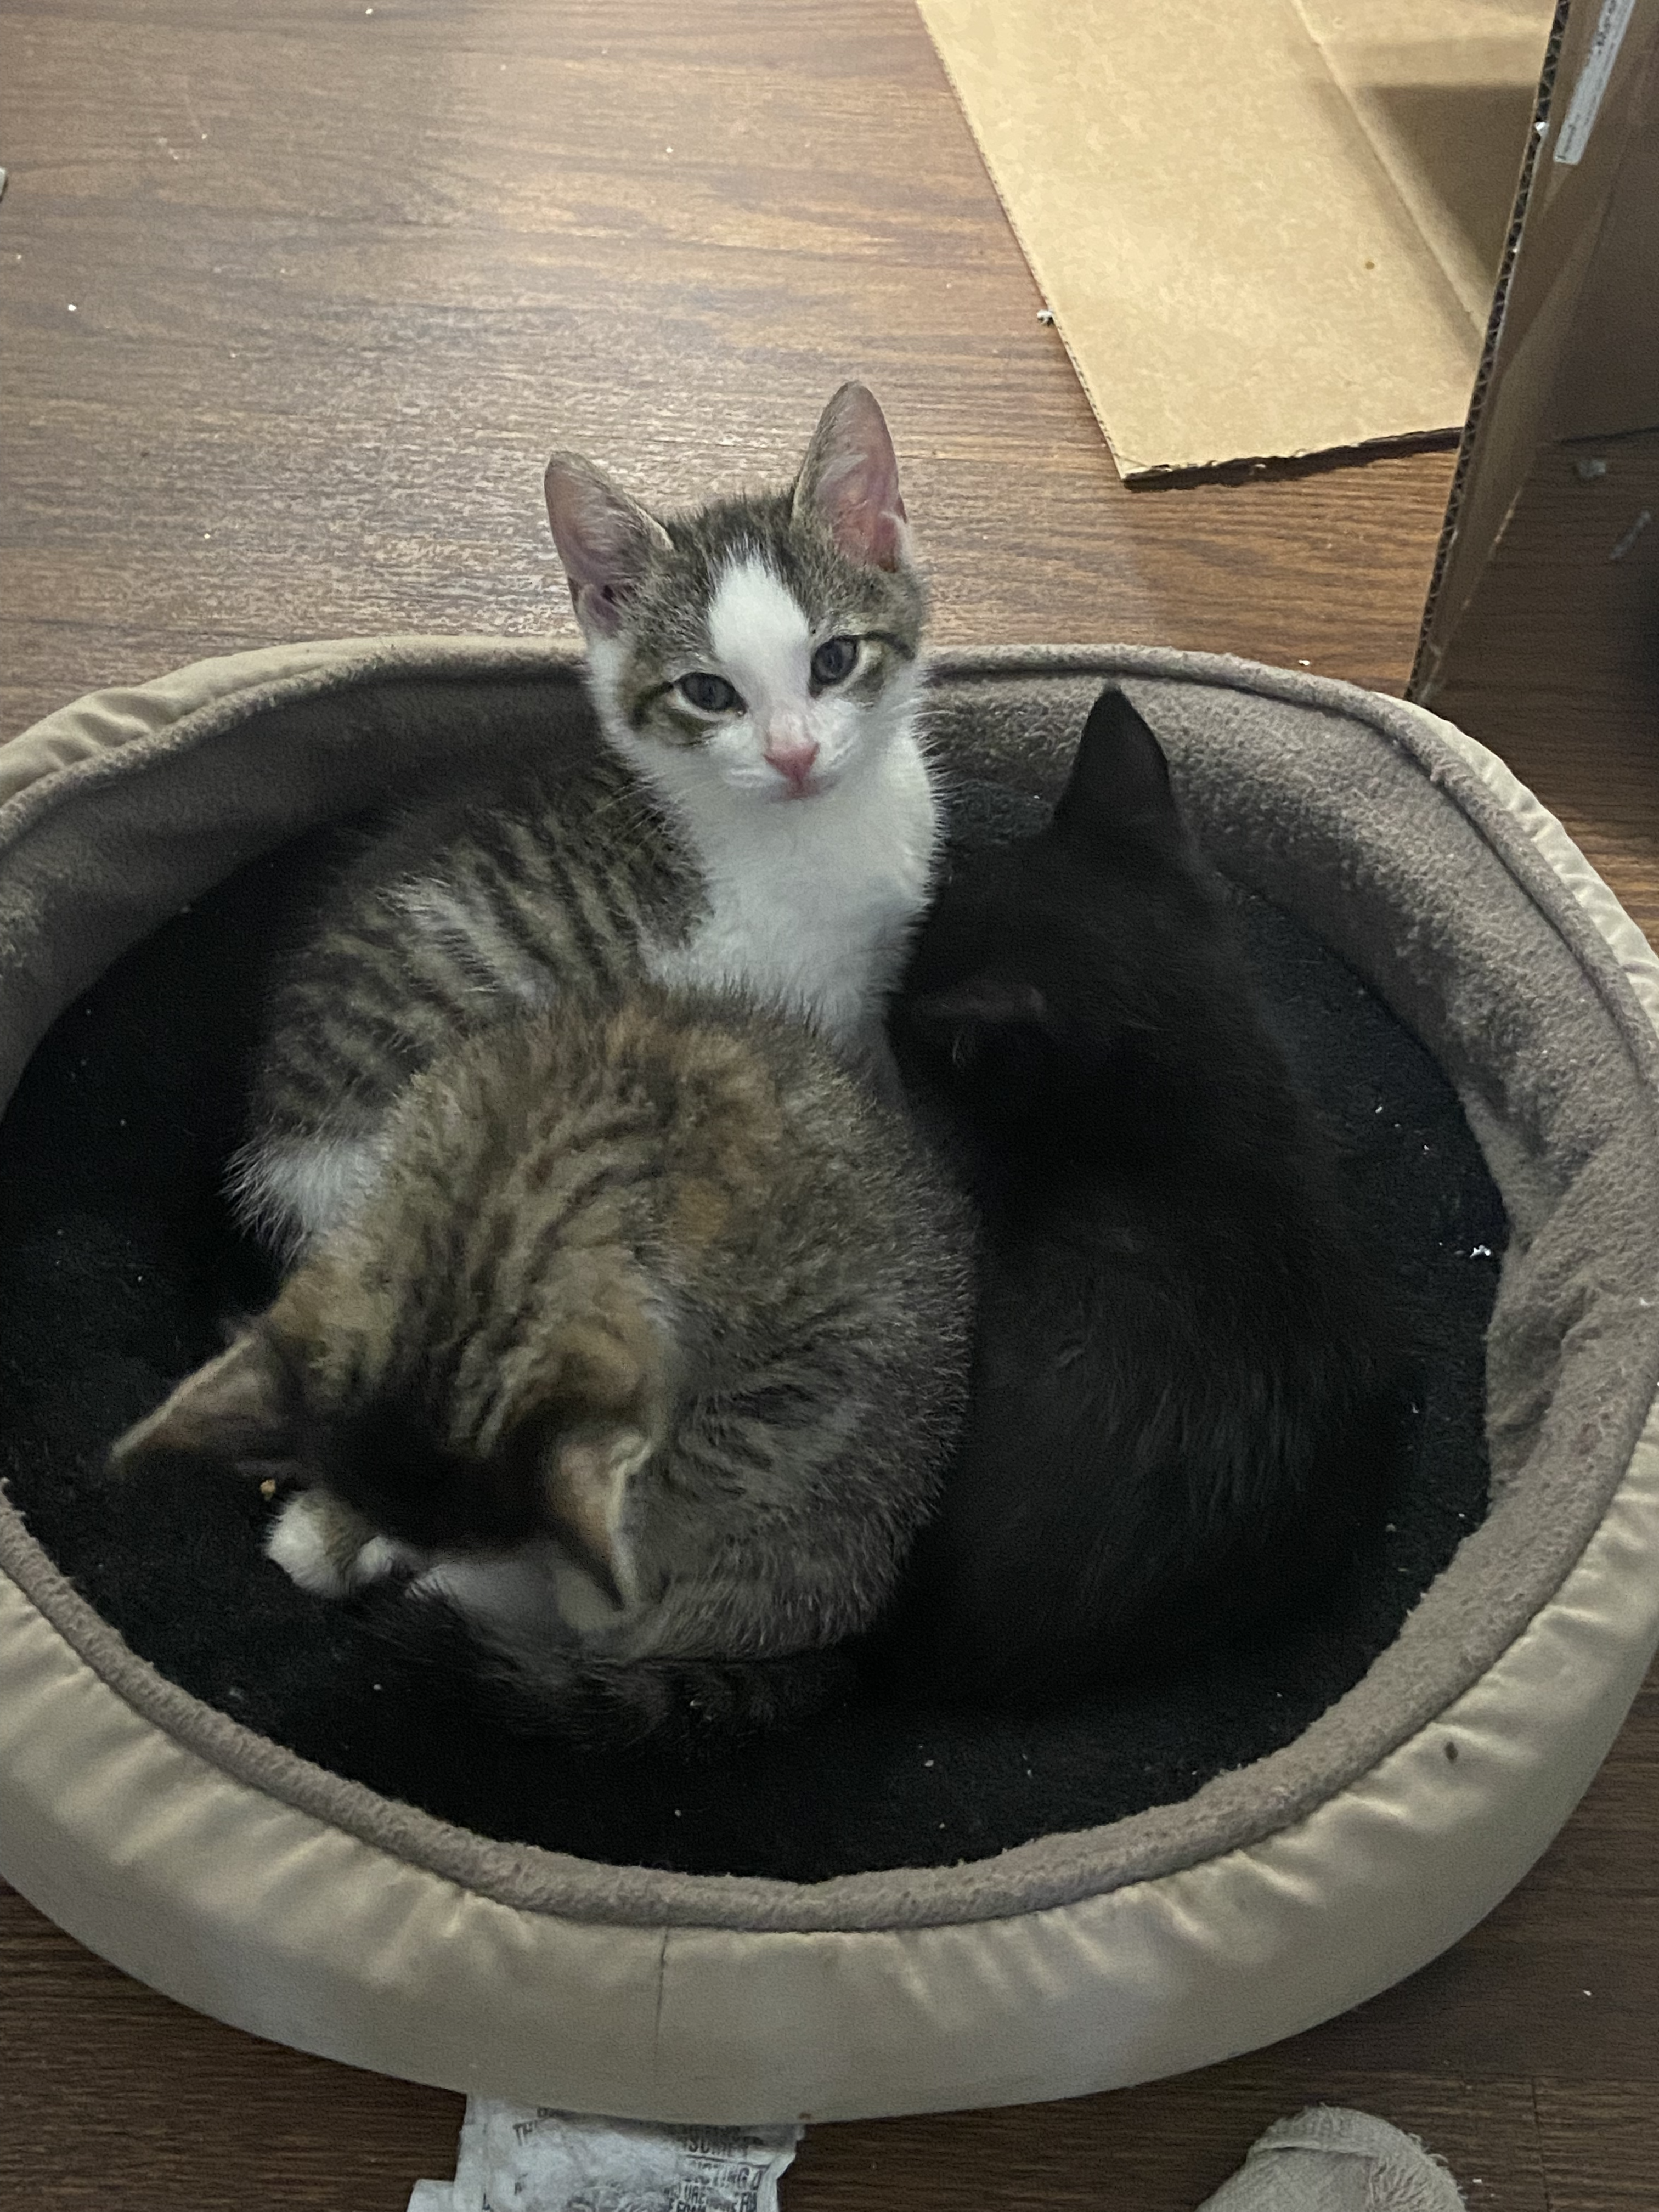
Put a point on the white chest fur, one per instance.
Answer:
(809, 902)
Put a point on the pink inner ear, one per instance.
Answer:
(851, 478)
(860, 502)
(603, 539)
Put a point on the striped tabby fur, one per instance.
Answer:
(778, 839)
(641, 1360)
(459, 912)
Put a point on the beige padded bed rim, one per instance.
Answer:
(256, 1910)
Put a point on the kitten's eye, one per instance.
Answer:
(835, 659)
(709, 695)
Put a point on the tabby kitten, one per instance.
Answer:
(1182, 1409)
(759, 816)
(641, 1356)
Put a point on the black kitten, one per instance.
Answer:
(1184, 1406)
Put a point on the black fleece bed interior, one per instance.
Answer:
(119, 1266)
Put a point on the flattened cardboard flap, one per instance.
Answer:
(1264, 229)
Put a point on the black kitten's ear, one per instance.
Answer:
(241, 1410)
(1120, 779)
(985, 1005)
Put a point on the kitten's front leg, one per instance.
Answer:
(328, 1549)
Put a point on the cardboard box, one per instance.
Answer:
(1270, 227)
(1571, 358)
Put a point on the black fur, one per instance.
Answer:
(1186, 1391)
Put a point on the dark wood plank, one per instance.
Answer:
(1600, 2145)
(1163, 2147)
(116, 2097)
(340, 283)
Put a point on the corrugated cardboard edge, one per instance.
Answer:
(1434, 429)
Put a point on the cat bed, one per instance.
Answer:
(227, 1787)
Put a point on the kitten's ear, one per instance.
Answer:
(595, 1423)
(242, 1409)
(587, 1488)
(965, 1015)
(605, 540)
(1120, 779)
(849, 480)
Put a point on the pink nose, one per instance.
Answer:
(793, 757)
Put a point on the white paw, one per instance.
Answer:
(517, 1594)
(310, 1542)
(383, 1557)
(331, 1551)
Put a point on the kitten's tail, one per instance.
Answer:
(687, 1700)
(548, 1683)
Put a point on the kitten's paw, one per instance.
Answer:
(319, 1543)
(382, 1558)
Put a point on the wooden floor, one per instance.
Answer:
(296, 299)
